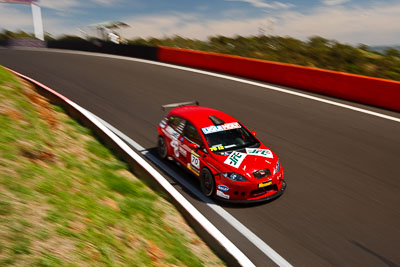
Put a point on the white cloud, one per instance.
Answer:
(189, 26)
(69, 4)
(15, 19)
(19, 17)
(373, 25)
(334, 2)
(58, 27)
(106, 2)
(262, 4)
(60, 4)
(376, 24)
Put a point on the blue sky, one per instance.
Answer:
(373, 22)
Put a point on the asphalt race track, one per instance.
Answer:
(342, 167)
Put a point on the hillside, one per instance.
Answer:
(66, 200)
(315, 52)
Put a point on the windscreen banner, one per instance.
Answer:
(20, 1)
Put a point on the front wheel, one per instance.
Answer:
(207, 182)
(162, 148)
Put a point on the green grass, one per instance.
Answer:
(66, 200)
(49, 260)
(5, 208)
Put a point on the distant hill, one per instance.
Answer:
(382, 48)
(376, 61)
(315, 52)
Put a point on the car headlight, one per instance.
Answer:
(278, 167)
(234, 177)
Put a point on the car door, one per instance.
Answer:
(173, 132)
(193, 157)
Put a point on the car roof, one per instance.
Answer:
(199, 116)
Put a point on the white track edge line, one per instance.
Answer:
(206, 224)
(254, 239)
(223, 76)
(224, 241)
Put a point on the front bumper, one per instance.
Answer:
(257, 199)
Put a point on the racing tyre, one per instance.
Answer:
(207, 182)
(162, 148)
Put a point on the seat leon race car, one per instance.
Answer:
(231, 163)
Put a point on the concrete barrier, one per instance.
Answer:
(98, 46)
(22, 42)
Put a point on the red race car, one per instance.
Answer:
(231, 163)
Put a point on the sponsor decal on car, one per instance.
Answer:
(235, 159)
(174, 134)
(217, 147)
(175, 144)
(192, 170)
(194, 153)
(195, 161)
(219, 128)
(223, 188)
(221, 194)
(260, 152)
(264, 184)
(182, 151)
(180, 127)
(163, 123)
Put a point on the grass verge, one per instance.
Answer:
(65, 200)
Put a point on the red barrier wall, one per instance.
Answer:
(362, 89)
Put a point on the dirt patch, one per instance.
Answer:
(40, 103)
(35, 155)
(11, 113)
(111, 203)
(155, 253)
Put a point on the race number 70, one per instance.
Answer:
(195, 162)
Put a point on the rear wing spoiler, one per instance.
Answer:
(175, 105)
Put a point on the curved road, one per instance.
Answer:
(342, 167)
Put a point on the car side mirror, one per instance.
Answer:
(193, 146)
(254, 133)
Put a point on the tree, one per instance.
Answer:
(392, 52)
(364, 47)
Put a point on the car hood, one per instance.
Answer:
(247, 161)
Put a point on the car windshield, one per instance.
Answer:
(225, 140)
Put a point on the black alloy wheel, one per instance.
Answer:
(207, 182)
(162, 148)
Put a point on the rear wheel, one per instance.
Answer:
(162, 148)
(207, 182)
